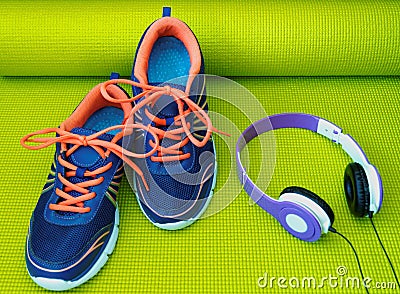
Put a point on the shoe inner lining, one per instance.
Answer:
(168, 60)
(105, 117)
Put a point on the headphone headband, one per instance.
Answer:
(315, 124)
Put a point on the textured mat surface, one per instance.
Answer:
(238, 38)
(230, 251)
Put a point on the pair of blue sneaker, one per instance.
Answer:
(163, 134)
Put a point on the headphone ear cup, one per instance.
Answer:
(314, 197)
(356, 189)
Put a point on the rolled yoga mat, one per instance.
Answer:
(238, 38)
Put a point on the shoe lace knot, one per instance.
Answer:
(69, 143)
(183, 130)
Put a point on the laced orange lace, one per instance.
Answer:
(152, 94)
(164, 154)
(76, 204)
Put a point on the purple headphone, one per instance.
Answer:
(301, 212)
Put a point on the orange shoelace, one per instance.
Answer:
(152, 94)
(164, 154)
(103, 148)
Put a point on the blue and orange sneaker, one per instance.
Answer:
(74, 226)
(182, 174)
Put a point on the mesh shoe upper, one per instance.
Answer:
(76, 213)
(178, 189)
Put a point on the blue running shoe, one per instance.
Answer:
(181, 175)
(74, 226)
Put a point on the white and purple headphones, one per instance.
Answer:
(301, 212)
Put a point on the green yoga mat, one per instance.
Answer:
(231, 250)
(238, 38)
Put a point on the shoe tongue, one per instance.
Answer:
(165, 106)
(86, 156)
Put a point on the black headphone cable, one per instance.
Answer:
(333, 230)
(383, 248)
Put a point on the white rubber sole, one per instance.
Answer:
(184, 223)
(61, 285)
